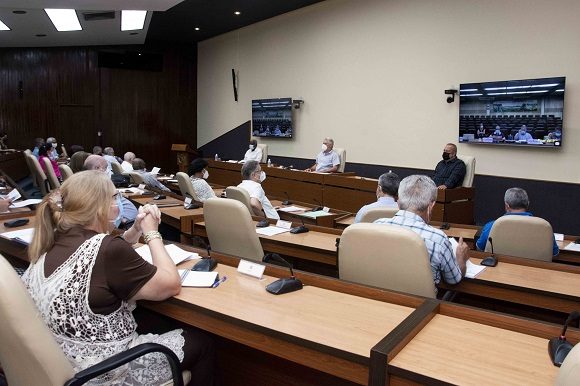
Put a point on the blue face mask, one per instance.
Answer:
(117, 221)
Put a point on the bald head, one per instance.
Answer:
(95, 162)
(129, 156)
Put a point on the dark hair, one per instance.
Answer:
(77, 161)
(196, 166)
(249, 168)
(138, 164)
(75, 148)
(42, 150)
(389, 183)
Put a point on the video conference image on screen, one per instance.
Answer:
(272, 117)
(516, 112)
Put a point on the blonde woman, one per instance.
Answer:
(85, 282)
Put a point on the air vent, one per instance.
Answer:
(91, 16)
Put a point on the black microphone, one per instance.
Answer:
(287, 201)
(490, 261)
(445, 224)
(316, 208)
(205, 264)
(300, 228)
(284, 285)
(559, 347)
(193, 204)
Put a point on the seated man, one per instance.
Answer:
(523, 134)
(450, 171)
(253, 176)
(150, 180)
(516, 203)
(386, 194)
(127, 211)
(327, 161)
(254, 153)
(497, 132)
(38, 142)
(128, 158)
(417, 195)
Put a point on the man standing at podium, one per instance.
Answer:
(450, 171)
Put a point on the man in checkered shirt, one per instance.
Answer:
(417, 195)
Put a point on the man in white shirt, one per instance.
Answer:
(327, 161)
(386, 194)
(253, 176)
(127, 163)
(254, 153)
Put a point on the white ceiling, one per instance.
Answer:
(24, 28)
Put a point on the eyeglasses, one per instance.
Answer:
(116, 199)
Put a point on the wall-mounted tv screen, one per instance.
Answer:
(272, 118)
(516, 112)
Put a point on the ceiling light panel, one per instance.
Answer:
(64, 19)
(3, 27)
(132, 20)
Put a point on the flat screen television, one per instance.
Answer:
(272, 118)
(525, 112)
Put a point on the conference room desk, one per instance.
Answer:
(302, 216)
(349, 193)
(16, 252)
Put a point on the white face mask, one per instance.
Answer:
(54, 145)
(262, 176)
(324, 147)
(205, 175)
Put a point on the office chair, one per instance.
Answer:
(240, 195)
(52, 179)
(570, 370)
(136, 178)
(40, 176)
(469, 162)
(522, 236)
(185, 185)
(386, 256)
(116, 167)
(374, 214)
(65, 171)
(264, 149)
(342, 155)
(29, 353)
(230, 229)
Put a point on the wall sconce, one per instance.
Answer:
(451, 98)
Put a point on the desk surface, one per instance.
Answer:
(467, 353)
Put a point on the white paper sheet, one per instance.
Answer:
(572, 247)
(559, 236)
(271, 231)
(196, 278)
(23, 235)
(473, 269)
(291, 208)
(177, 254)
(21, 204)
(155, 170)
(131, 190)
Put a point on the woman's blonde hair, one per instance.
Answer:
(84, 199)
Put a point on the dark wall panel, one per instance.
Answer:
(65, 94)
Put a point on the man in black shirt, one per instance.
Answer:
(450, 171)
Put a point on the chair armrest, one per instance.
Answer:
(125, 357)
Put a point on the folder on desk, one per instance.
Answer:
(318, 213)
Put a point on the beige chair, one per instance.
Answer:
(63, 151)
(374, 214)
(116, 167)
(49, 171)
(40, 176)
(240, 195)
(342, 155)
(569, 374)
(30, 355)
(65, 171)
(136, 178)
(385, 256)
(469, 162)
(27, 155)
(264, 149)
(230, 229)
(523, 236)
(185, 185)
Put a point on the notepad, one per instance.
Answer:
(318, 213)
(271, 231)
(23, 236)
(572, 247)
(155, 170)
(177, 254)
(472, 270)
(131, 190)
(291, 209)
(13, 195)
(196, 278)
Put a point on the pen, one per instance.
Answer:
(217, 283)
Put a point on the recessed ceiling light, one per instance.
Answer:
(197, 28)
(19, 12)
(237, 13)
(132, 20)
(64, 19)
(3, 27)
(40, 35)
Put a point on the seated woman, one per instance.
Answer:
(85, 283)
(198, 175)
(45, 152)
(254, 153)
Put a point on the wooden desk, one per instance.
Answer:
(349, 193)
(322, 221)
(15, 252)
(454, 205)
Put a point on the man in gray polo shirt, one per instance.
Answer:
(327, 161)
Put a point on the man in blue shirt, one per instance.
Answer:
(327, 161)
(523, 134)
(386, 194)
(516, 203)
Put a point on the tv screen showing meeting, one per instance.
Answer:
(272, 118)
(526, 112)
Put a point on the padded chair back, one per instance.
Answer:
(136, 178)
(185, 185)
(65, 171)
(28, 353)
(570, 370)
(52, 179)
(27, 152)
(386, 256)
(63, 151)
(469, 162)
(264, 149)
(342, 155)
(27, 155)
(374, 214)
(230, 229)
(523, 236)
(116, 167)
(40, 176)
(240, 195)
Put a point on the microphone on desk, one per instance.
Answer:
(300, 228)
(287, 201)
(284, 285)
(559, 347)
(490, 261)
(205, 264)
(317, 208)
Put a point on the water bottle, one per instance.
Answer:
(216, 157)
(269, 163)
